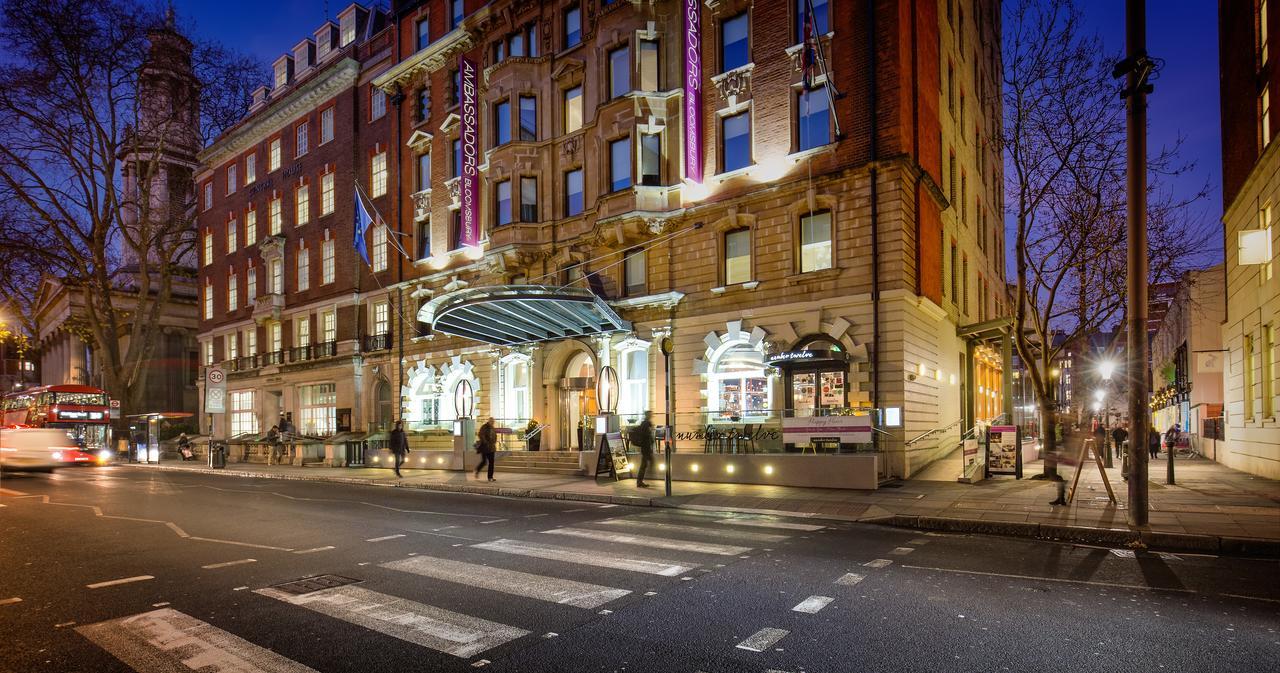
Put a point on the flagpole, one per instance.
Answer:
(380, 220)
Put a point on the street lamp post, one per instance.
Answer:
(1106, 369)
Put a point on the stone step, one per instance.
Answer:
(519, 469)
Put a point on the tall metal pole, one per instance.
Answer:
(1136, 348)
(668, 347)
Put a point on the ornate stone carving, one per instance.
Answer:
(271, 247)
(736, 82)
(421, 204)
(454, 185)
(656, 225)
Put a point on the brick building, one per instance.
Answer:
(1250, 190)
(828, 258)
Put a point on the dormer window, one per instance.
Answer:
(326, 40)
(348, 29)
(282, 75)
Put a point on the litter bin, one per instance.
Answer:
(217, 455)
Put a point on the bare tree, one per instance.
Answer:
(1064, 148)
(91, 105)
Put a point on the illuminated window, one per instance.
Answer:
(815, 241)
(231, 179)
(250, 227)
(378, 175)
(317, 405)
(273, 155)
(304, 269)
(573, 109)
(300, 147)
(649, 72)
(232, 230)
(326, 262)
(326, 194)
(377, 103)
(302, 205)
(250, 168)
(379, 248)
(251, 284)
(233, 293)
(208, 247)
(243, 419)
(737, 384)
(737, 256)
(326, 125)
(275, 216)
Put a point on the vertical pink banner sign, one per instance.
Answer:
(693, 90)
(469, 189)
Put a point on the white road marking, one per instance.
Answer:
(649, 541)
(850, 579)
(534, 516)
(112, 583)
(58, 626)
(762, 640)
(902, 551)
(159, 605)
(425, 625)
(694, 530)
(240, 588)
(813, 604)
(9, 491)
(314, 550)
(538, 587)
(1124, 553)
(878, 563)
(764, 523)
(602, 559)
(225, 564)
(431, 532)
(607, 506)
(494, 521)
(1065, 580)
(10, 601)
(384, 538)
(165, 640)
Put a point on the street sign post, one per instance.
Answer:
(215, 391)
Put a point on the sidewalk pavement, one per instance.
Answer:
(1212, 509)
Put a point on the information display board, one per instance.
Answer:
(611, 456)
(1004, 454)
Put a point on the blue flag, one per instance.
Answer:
(362, 223)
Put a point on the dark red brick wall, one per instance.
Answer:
(1240, 85)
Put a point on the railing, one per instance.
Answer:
(377, 342)
(246, 362)
(316, 351)
(270, 358)
(934, 431)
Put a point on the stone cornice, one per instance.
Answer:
(341, 75)
(428, 60)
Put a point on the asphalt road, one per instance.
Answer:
(117, 569)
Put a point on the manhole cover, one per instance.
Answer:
(308, 585)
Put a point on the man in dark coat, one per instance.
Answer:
(642, 437)
(487, 446)
(399, 445)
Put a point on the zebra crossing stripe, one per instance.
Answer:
(425, 625)
(762, 640)
(165, 640)
(650, 541)
(781, 525)
(748, 536)
(813, 604)
(591, 557)
(539, 587)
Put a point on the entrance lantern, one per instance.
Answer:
(607, 390)
(463, 400)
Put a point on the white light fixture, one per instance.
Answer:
(662, 467)
(728, 468)
(607, 390)
(693, 467)
(768, 469)
(920, 369)
(463, 401)
(1099, 395)
(1107, 368)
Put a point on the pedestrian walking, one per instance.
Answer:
(1153, 441)
(487, 447)
(273, 444)
(1053, 459)
(399, 446)
(641, 436)
(184, 447)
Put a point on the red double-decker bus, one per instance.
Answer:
(83, 412)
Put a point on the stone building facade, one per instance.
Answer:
(1250, 192)
(855, 230)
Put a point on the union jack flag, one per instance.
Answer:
(809, 57)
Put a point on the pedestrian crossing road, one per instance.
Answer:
(465, 582)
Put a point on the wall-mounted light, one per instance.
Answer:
(607, 390)
(693, 467)
(768, 469)
(728, 468)
(463, 401)
(662, 467)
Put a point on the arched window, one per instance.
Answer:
(517, 405)
(633, 375)
(382, 401)
(737, 385)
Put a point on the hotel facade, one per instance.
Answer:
(1250, 192)
(813, 224)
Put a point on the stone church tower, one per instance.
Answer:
(165, 141)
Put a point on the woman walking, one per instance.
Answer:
(487, 446)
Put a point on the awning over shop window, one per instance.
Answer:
(509, 315)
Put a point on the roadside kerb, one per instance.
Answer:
(1117, 537)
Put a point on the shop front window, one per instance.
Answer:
(516, 403)
(816, 377)
(318, 404)
(634, 400)
(738, 385)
